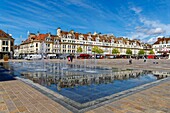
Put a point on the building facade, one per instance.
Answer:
(68, 42)
(40, 44)
(6, 44)
(161, 46)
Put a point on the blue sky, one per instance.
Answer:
(134, 19)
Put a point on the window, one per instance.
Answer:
(12, 43)
(64, 46)
(3, 42)
(69, 46)
(36, 44)
(5, 49)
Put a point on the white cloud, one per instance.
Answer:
(155, 24)
(155, 31)
(137, 10)
(152, 40)
(147, 30)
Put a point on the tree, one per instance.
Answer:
(96, 49)
(151, 52)
(141, 52)
(115, 51)
(79, 49)
(100, 51)
(129, 52)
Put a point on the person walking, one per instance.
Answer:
(130, 60)
(144, 59)
(71, 58)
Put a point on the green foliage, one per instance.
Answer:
(141, 52)
(100, 51)
(96, 49)
(151, 52)
(79, 49)
(129, 52)
(115, 51)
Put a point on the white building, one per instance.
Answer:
(161, 46)
(6, 44)
(68, 42)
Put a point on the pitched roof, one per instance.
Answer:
(160, 40)
(4, 35)
(39, 37)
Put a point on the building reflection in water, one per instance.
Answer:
(75, 77)
(79, 80)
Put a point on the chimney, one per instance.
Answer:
(89, 33)
(38, 33)
(72, 31)
(49, 34)
(95, 33)
(59, 31)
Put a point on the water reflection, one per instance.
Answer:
(69, 76)
(80, 85)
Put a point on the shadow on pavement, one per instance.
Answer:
(5, 75)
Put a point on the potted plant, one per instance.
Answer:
(6, 57)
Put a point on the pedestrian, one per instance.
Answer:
(144, 59)
(130, 61)
(71, 58)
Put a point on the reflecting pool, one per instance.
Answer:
(82, 84)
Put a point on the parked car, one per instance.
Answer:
(84, 56)
(33, 57)
(63, 56)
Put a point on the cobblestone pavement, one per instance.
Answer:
(16, 96)
(152, 100)
(163, 64)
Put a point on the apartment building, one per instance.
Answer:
(68, 42)
(6, 44)
(162, 46)
(40, 44)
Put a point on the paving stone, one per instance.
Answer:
(22, 108)
(5, 111)
(16, 96)
(3, 107)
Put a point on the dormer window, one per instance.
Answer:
(73, 37)
(89, 38)
(97, 39)
(64, 36)
(48, 39)
(80, 37)
(112, 41)
(164, 41)
(168, 41)
(67, 36)
(120, 41)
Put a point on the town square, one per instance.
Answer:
(77, 56)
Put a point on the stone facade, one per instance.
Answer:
(68, 42)
(6, 44)
(162, 45)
